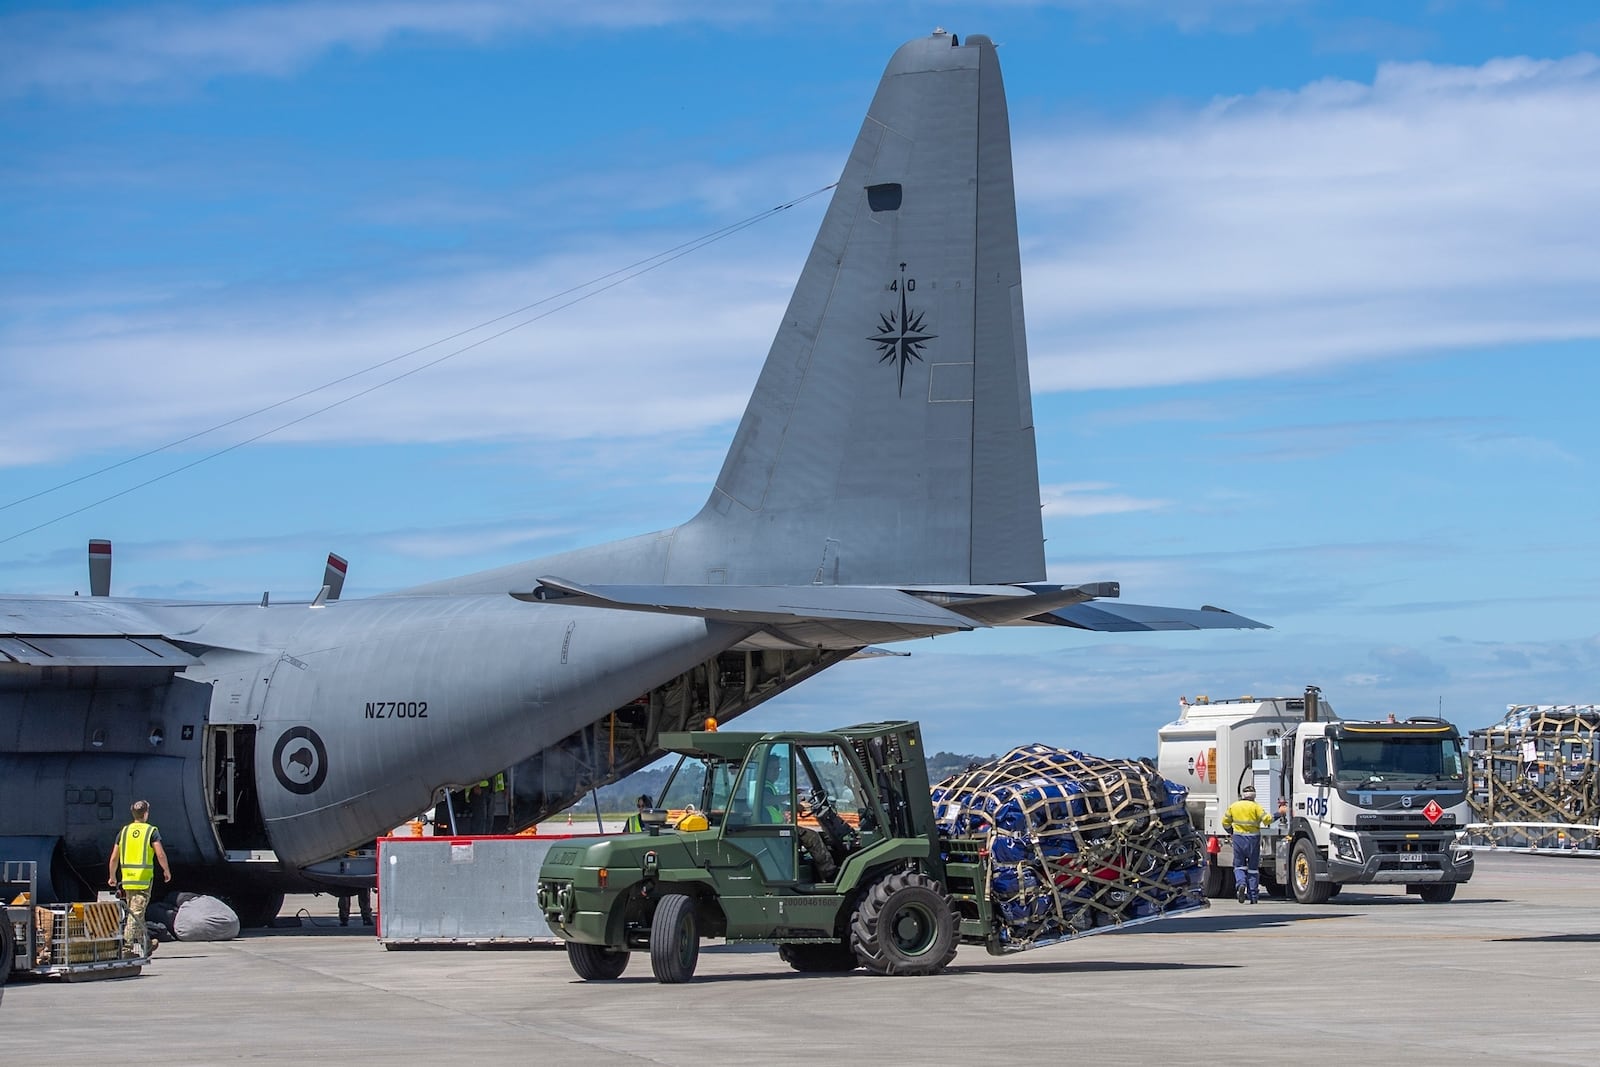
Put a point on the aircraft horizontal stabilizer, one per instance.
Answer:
(1124, 618)
(874, 652)
(755, 604)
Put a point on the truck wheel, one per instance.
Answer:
(1437, 892)
(596, 962)
(1303, 875)
(1219, 880)
(8, 946)
(905, 924)
(819, 959)
(674, 939)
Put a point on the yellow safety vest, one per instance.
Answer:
(1245, 817)
(135, 855)
(634, 825)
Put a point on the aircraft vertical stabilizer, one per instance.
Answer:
(890, 435)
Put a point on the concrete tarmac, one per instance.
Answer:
(1508, 973)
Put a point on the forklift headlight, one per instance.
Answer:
(1346, 848)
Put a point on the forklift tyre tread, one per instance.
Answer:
(819, 959)
(674, 939)
(596, 962)
(905, 924)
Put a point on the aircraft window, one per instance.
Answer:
(884, 197)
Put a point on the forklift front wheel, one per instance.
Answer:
(674, 939)
(596, 962)
(905, 924)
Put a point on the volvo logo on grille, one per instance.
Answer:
(1405, 802)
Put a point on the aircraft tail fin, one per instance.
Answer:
(889, 439)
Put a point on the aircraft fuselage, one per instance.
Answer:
(306, 731)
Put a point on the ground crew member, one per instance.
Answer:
(635, 824)
(1245, 819)
(502, 806)
(363, 899)
(136, 852)
(482, 812)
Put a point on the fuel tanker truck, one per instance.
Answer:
(833, 846)
(1364, 802)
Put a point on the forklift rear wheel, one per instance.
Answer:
(596, 962)
(905, 924)
(819, 959)
(674, 939)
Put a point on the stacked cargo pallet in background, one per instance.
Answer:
(1536, 780)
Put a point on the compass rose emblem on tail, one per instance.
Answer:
(901, 334)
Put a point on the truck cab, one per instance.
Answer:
(1372, 803)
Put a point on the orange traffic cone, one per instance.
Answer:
(569, 818)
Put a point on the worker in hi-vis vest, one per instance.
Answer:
(635, 823)
(1246, 819)
(133, 869)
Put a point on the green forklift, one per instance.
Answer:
(825, 844)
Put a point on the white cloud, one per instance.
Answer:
(1077, 499)
(666, 352)
(100, 52)
(455, 542)
(1438, 207)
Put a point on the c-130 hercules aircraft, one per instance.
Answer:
(882, 486)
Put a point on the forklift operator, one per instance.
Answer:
(774, 809)
(774, 794)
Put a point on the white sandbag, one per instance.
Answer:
(205, 919)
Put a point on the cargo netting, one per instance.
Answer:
(1540, 765)
(1075, 841)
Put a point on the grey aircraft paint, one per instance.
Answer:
(882, 486)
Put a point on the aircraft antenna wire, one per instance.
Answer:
(611, 280)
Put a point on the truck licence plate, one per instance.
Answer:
(1410, 857)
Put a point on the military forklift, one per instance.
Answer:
(825, 844)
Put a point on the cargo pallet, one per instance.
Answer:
(74, 942)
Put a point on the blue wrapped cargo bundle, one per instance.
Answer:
(1075, 842)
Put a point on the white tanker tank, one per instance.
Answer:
(1216, 748)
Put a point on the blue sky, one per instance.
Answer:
(1311, 296)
